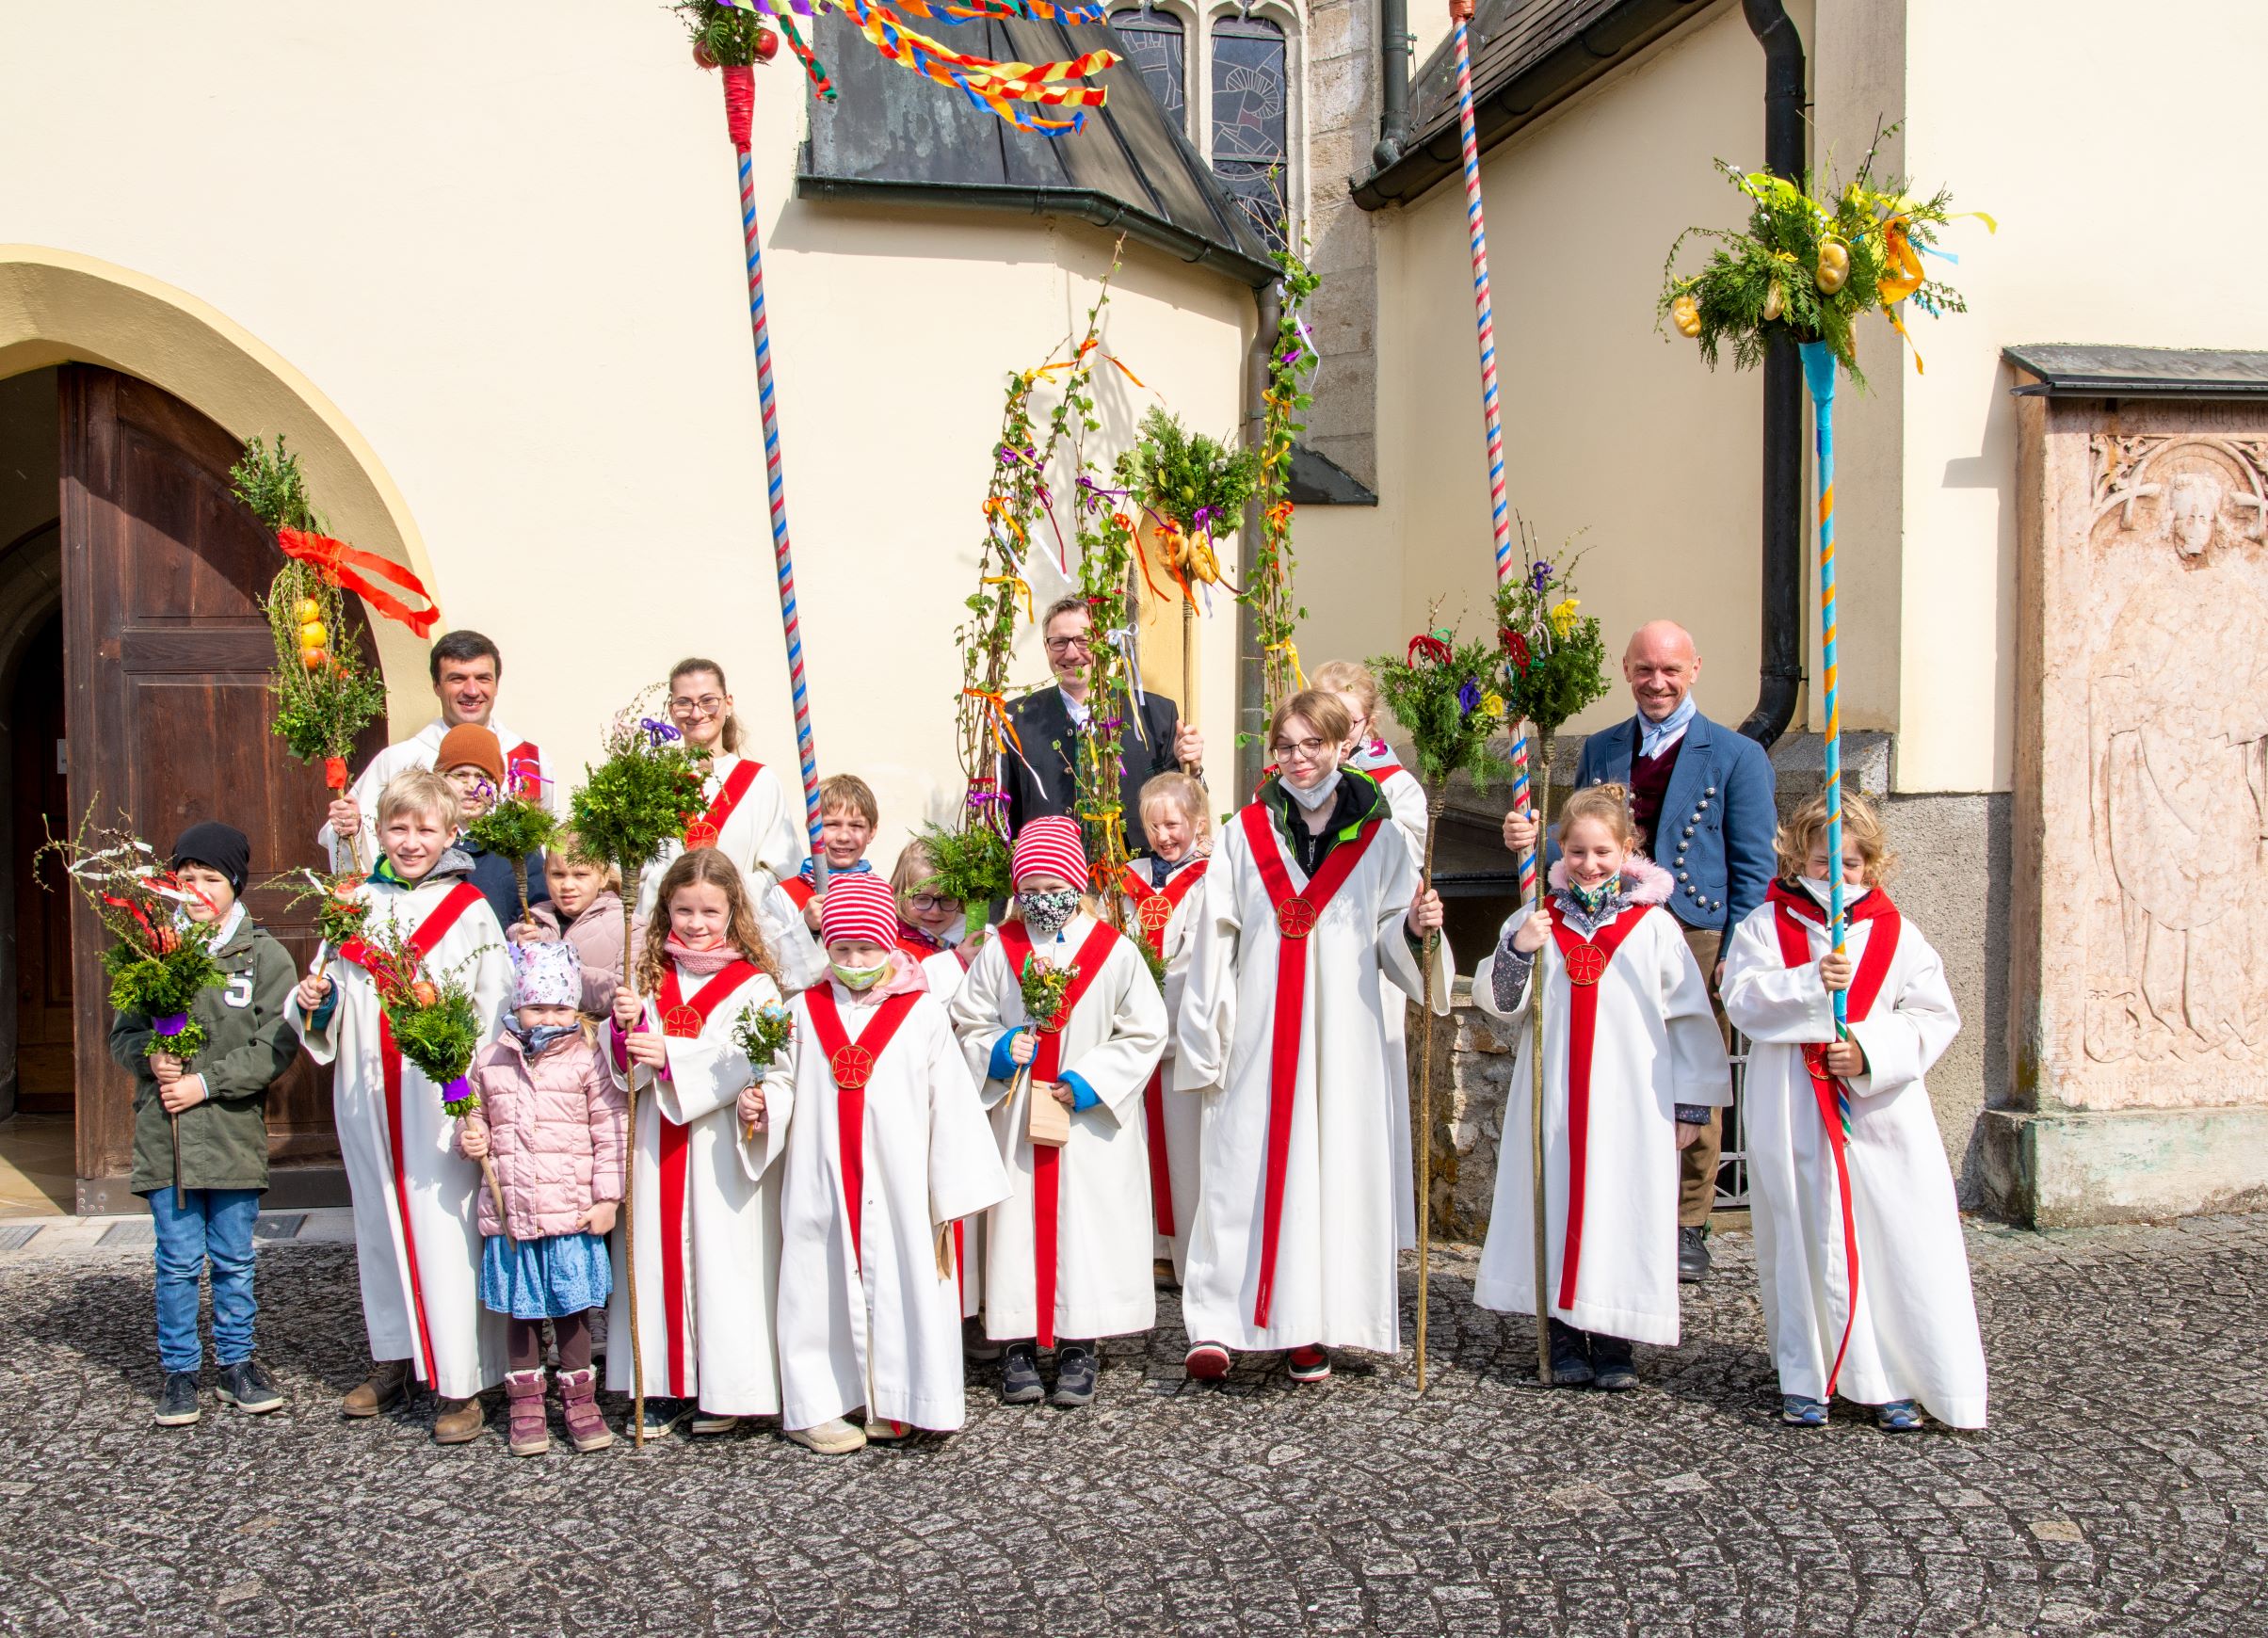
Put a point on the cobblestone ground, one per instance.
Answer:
(2123, 1487)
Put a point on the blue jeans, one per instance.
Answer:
(214, 1225)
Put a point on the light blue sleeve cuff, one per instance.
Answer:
(1003, 1067)
(1083, 1095)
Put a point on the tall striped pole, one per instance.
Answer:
(1819, 376)
(740, 103)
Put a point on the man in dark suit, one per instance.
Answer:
(1701, 795)
(1153, 740)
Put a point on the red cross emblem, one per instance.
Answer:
(1585, 963)
(682, 1022)
(700, 834)
(1153, 913)
(1294, 918)
(852, 1065)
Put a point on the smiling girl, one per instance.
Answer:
(1632, 1065)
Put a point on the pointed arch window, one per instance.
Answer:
(1251, 123)
(1160, 50)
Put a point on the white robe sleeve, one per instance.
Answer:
(1118, 1069)
(1205, 1029)
(1403, 967)
(708, 1072)
(965, 1173)
(323, 1045)
(1699, 1071)
(796, 949)
(1483, 976)
(1765, 997)
(975, 1011)
(783, 843)
(1901, 1041)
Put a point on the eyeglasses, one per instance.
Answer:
(928, 904)
(1064, 645)
(707, 705)
(1306, 750)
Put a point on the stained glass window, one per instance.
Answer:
(1250, 118)
(1155, 44)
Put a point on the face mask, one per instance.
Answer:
(1325, 788)
(861, 977)
(1046, 913)
(1818, 887)
(1593, 899)
(542, 1038)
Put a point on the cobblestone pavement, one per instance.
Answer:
(2123, 1487)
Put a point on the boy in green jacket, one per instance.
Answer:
(220, 1103)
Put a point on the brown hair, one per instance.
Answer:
(567, 845)
(1185, 791)
(730, 737)
(1325, 711)
(703, 866)
(849, 791)
(1347, 677)
(1062, 605)
(1609, 805)
(420, 791)
(1861, 824)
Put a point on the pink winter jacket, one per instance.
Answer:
(557, 1134)
(597, 936)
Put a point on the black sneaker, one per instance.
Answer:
(177, 1399)
(1693, 1253)
(1075, 1370)
(248, 1385)
(1570, 1359)
(1611, 1367)
(664, 1414)
(1020, 1375)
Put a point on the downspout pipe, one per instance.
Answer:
(1268, 301)
(1393, 82)
(1781, 676)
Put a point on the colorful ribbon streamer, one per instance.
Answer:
(1476, 229)
(340, 564)
(1819, 376)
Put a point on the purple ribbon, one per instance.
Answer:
(173, 1023)
(659, 732)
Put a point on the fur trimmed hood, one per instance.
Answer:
(1643, 882)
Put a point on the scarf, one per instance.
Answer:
(701, 963)
(810, 870)
(1593, 900)
(1653, 736)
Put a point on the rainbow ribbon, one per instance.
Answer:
(739, 102)
(1819, 376)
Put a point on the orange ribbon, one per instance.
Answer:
(997, 508)
(1907, 278)
(338, 562)
(1004, 726)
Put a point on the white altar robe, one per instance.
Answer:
(1181, 1116)
(443, 1187)
(730, 1237)
(1337, 1265)
(1914, 1334)
(1103, 1282)
(1655, 1045)
(877, 1326)
(764, 836)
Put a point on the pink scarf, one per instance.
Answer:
(701, 963)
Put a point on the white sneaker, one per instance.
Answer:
(708, 1422)
(838, 1438)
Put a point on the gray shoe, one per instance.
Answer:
(1020, 1381)
(1693, 1253)
(1075, 1372)
(177, 1399)
(248, 1385)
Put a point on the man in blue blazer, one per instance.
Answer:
(1701, 794)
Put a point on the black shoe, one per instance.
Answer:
(1611, 1367)
(1020, 1375)
(1570, 1359)
(1076, 1369)
(177, 1399)
(1693, 1253)
(664, 1414)
(248, 1385)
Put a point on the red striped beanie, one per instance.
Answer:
(858, 907)
(1049, 847)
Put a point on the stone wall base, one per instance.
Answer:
(2077, 1170)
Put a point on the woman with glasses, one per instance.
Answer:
(1312, 897)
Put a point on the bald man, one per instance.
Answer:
(1701, 796)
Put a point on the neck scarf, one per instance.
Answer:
(701, 963)
(1653, 736)
(810, 869)
(1594, 900)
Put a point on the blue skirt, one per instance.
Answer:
(545, 1279)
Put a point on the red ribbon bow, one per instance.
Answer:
(1430, 647)
(338, 562)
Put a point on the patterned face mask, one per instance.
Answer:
(1046, 913)
(861, 977)
(1594, 899)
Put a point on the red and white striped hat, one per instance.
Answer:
(861, 908)
(1049, 847)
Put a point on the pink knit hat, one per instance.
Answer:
(859, 907)
(1049, 847)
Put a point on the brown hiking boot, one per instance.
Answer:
(459, 1420)
(389, 1380)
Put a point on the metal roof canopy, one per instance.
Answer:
(898, 138)
(2115, 372)
(1528, 58)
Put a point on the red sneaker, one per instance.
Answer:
(1308, 1364)
(1207, 1362)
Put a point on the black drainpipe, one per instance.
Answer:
(1393, 82)
(1782, 665)
(1268, 301)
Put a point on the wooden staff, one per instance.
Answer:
(1188, 669)
(1435, 803)
(630, 1172)
(487, 1175)
(1543, 1310)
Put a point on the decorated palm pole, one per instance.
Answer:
(1553, 664)
(1809, 266)
(1438, 691)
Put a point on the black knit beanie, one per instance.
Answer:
(223, 847)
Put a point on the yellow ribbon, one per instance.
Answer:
(1291, 650)
(1017, 588)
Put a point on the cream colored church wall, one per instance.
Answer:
(509, 260)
